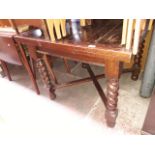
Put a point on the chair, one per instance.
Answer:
(133, 39)
(9, 52)
(42, 24)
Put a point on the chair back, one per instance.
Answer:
(56, 28)
(133, 32)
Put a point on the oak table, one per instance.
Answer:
(99, 43)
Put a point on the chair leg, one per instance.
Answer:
(33, 67)
(29, 70)
(67, 65)
(6, 70)
(137, 62)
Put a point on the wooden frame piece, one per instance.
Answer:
(129, 34)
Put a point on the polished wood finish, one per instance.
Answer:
(98, 43)
(112, 98)
(45, 77)
(112, 72)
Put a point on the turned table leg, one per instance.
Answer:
(112, 69)
(45, 77)
(112, 98)
(137, 62)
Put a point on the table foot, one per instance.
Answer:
(112, 98)
(52, 93)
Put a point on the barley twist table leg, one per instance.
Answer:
(45, 77)
(112, 98)
(137, 62)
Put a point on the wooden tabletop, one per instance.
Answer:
(100, 41)
(100, 32)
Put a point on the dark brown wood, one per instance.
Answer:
(79, 52)
(45, 77)
(112, 98)
(97, 85)
(2, 71)
(149, 123)
(6, 70)
(84, 80)
(32, 62)
(77, 82)
(28, 69)
(137, 62)
(49, 68)
(9, 53)
(112, 74)
(38, 23)
(97, 44)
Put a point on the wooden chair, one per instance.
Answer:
(47, 34)
(9, 52)
(133, 39)
(85, 22)
(57, 30)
